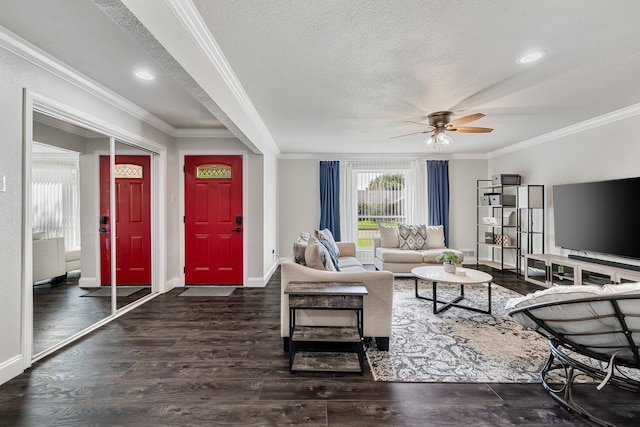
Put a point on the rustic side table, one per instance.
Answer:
(326, 296)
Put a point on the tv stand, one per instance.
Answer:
(606, 262)
(549, 270)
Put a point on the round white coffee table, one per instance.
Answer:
(436, 274)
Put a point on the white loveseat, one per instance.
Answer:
(400, 249)
(378, 303)
(48, 259)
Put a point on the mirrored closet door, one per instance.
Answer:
(92, 200)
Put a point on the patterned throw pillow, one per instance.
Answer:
(413, 237)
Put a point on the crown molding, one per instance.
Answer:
(57, 110)
(614, 116)
(204, 133)
(381, 156)
(33, 54)
(192, 21)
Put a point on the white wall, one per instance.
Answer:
(299, 200)
(607, 152)
(17, 74)
(463, 176)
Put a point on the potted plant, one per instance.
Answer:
(449, 261)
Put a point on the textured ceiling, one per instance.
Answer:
(334, 76)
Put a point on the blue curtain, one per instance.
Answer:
(438, 194)
(330, 197)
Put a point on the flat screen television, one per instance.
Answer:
(598, 217)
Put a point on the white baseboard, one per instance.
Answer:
(173, 283)
(261, 282)
(88, 282)
(11, 368)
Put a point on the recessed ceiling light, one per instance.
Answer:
(144, 75)
(531, 57)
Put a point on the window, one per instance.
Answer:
(376, 193)
(382, 197)
(56, 196)
(380, 192)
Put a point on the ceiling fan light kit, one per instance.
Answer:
(440, 122)
(438, 139)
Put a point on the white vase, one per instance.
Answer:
(448, 267)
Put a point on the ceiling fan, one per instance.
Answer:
(440, 121)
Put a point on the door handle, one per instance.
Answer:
(104, 222)
(237, 230)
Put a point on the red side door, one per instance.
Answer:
(133, 216)
(213, 220)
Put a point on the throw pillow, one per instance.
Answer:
(316, 256)
(435, 236)
(332, 253)
(413, 237)
(299, 246)
(326, 234)
(389, 237)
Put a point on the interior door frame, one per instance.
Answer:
(39, 103)
(246, 228)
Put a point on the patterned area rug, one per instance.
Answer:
(456, 345)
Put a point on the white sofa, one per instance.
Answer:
(378, 303)
(51, 261)
(390, 254)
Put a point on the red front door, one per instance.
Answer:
(133, 220)
(213, 220)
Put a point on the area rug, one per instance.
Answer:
(456, 345)
(121, 291)
(208, 291)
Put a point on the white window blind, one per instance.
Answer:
(376, 193)
(56, 196)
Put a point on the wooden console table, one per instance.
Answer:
(326, 296)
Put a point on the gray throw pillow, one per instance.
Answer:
(299, 247)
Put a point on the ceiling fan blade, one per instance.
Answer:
(470, 130)
(414, 133)
(421, 124)
(466, 119)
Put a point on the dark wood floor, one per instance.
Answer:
(62, 309)
(194, 361)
